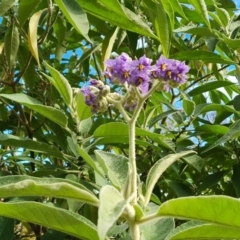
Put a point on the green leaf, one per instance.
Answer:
(160, 21)
(233, 133)
(209, 86)
(35, 187)
(20, 142)
(205, 107)
(118, 16)
(213, 209)
(6, 228)
(206, 56)
(50, 217)
(181, 189)
(5, 5)
(49, 112)
(26, 8)
(117, 130)
(236, 179)
(83, 110)
(157, 229)
(195, 161)
(60, 83)
(29, 75)
(201, 9)
(200, 31)
(211, 180)
(232, 43)
(224, 16)
(52, 234)
(80, 152)
(216, 129)
(88, 52)
(11, 44)
(200, 230)
(178, 8)
(75, 15)
(157, 170)
(188, 106)
(115, 166)
(112, 204)
(107, 45)
(161, 116)
(236, 103)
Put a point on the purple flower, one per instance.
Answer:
(142, 65)
(170, 69)
(118, 69)
(180, 73)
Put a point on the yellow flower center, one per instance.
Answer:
(169, 73)
(164, 66)
(140, 67)
(126, 74)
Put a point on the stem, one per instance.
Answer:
(132, 160)
(148, 218)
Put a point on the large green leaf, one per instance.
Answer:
(213, 209)
(157, 170)
(116, 14)
(112, 204)
(49, 112)
(50, 217)
(117, 130)
(30, 186)
(115, 166)
(60, 83)
(75, 15)
(200, 230)
(206, 56)
(233, 133)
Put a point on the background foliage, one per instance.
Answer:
(47, 48)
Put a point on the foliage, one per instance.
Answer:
(167, 170)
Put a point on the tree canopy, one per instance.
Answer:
(93, 147)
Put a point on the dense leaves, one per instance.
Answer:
(63, 167)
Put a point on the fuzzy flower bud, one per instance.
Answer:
(95, 95)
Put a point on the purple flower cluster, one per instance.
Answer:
(134, 73)
(140, 72)
(123, 69)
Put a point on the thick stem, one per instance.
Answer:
(132, 160)
(135, 231)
